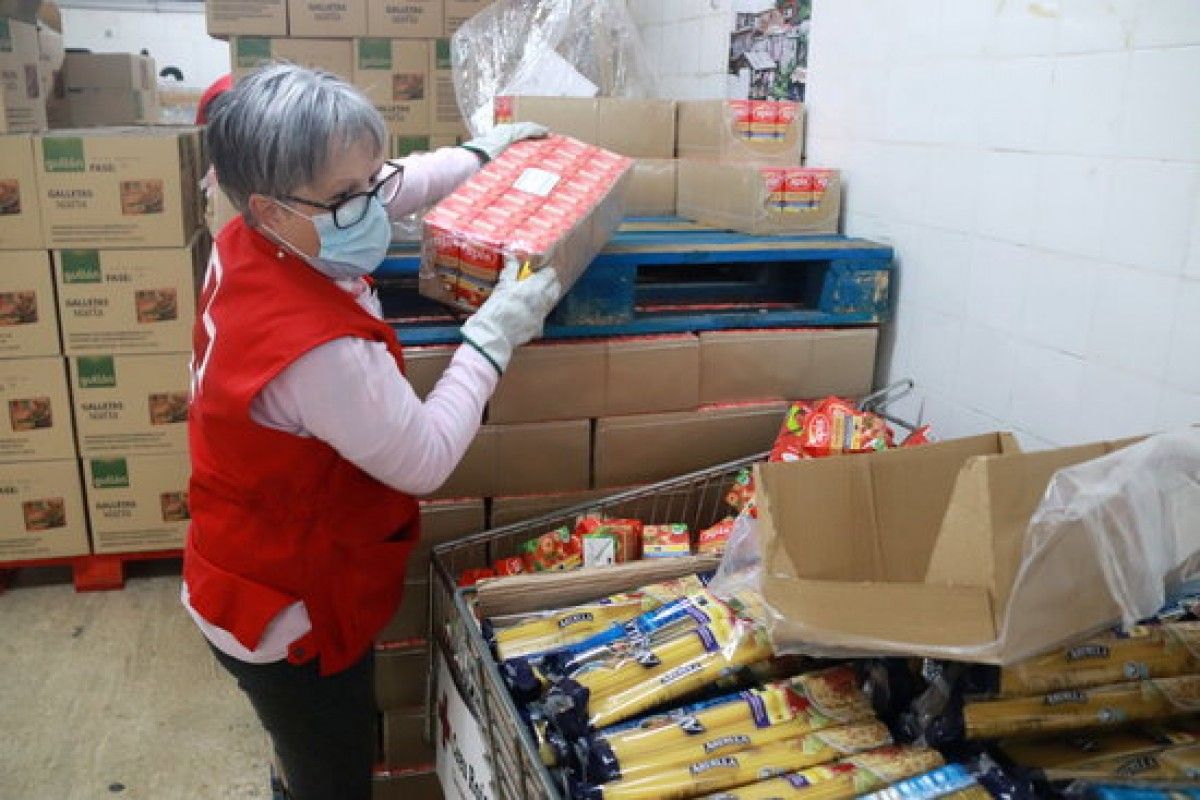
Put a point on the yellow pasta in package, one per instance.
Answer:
(1078, 709)
(753, 717)
(1146, 651)
(678, 782)
(843, 779)
(1145, 754)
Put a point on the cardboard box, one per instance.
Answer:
(933, 534)
(446, 119)
(331, 55)
(110, 71)
(41, 511)
(129, 301)
(119, 187)
(130, 404)
(137, 503)
(20, 84)
(327, 18)
(52, 55)
(652, 188)
(644, 448)
(423, 366)
(743, 197)
(786, 364)
(394, 75)
(401, 676)
(406, 785)
(445, 521)
(459, 11)
(725, 130)
(28, 315)
(520, 508)
(523, 459)
(638, 128)
(246, 18)
(405, 19)
(569, 380)
(552, 202)
(87, 108)
(404, 742)
(411, 620)
(402, 145)
(36, 407)
(20, 210)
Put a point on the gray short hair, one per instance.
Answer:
(277, 129)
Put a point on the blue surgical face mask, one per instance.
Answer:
(349, 252)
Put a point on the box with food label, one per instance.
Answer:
(759, 200)
(246, 18)
(41, 511)
(741, 131)
(137, 503)
(331, 55)
(28, 317)
(130, 404)
(394, 75)
(37, 410)
(20, 211)
(550, 202)
(327, 18)
(20, 86)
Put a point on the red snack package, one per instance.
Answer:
(560, 549)
(836, 426)
(711, 541)
(513, 565)
(741, 493)
(470, 577)
(919, 436)
(625, 534)
(789, 441)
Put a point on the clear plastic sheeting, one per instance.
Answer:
(1111, 538)
(574, 48)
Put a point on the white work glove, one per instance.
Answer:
(513, 314)
(497, 140)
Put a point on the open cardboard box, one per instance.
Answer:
(916, 552)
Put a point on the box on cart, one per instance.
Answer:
(20, 207)
(35, 403)
(28, 315)
(41, 511)
(130, 404)
(246, 18)
(138, 502)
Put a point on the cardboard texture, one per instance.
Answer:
(509, 510)
(446, 119)
(98, 107)
(110, 71)
(327, 18)
(28, 315)
(934, 535)
(404, 742)
(652, 188)
(41, 511)
(411, 620)
(52, 55)
(119, 187)
(394, 75)
(130, 404)
(405, 19)
(20, 84)
(444, 521)
(137, 503)
(406, 785)
(246, 18)
(725, 130)
(331, 55)
(401, 676)
(598, 378)
(786, 364)
(20, 209)
(523, 459)
(644, 448)
(129, 301)
(459, 11)
(638, 128)
(36, 407)
(423, 366)
(753, 200)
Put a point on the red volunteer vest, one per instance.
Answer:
(278, 518)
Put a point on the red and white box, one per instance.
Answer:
(546, 203)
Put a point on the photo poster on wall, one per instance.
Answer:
(768, 49)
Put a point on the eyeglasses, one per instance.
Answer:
(350, 212)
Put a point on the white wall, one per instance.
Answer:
(687, 42)
(175, 38)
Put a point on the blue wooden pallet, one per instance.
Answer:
(665, 275)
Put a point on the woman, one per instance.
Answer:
(308, 446)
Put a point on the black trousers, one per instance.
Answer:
(323, 729)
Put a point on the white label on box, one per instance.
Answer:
(463, 768)
(537, 181)
(599, 551)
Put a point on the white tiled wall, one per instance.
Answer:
(687, 42)
(177, 39)
(1037, 166)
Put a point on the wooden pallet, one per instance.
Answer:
(670, 276)
(90, 573)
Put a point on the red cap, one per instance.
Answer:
(218, 87)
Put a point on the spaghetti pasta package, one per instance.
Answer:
(783, 709)
(1147, 651)
(1077, 709)
(843, 779)
(1153, 754)
(951, 782)
(677, 782)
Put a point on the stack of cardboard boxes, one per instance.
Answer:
(110, 89)
(24, 106)
(397, 53)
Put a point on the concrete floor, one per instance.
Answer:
(115, 695)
